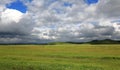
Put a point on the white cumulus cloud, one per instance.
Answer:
(11, 15)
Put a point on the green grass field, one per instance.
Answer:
(60, 57)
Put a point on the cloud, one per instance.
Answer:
(60, 20)
(11, 15)
(109, 8)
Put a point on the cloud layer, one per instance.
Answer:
(60, 20)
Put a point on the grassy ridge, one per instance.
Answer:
(60, 57)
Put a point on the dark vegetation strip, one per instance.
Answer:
(78, 57)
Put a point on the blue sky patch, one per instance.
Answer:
(67, 4)
(91, 1)
(18, 5)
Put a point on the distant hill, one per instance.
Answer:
(106, 41)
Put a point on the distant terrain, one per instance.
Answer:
(106, 41)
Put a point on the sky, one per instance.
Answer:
(43, 21)
(17, 5)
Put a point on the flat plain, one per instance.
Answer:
(60, 57)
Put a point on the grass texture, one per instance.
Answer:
(60, 57)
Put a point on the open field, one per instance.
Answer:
(60, 57)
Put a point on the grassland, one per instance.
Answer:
(60, 57)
